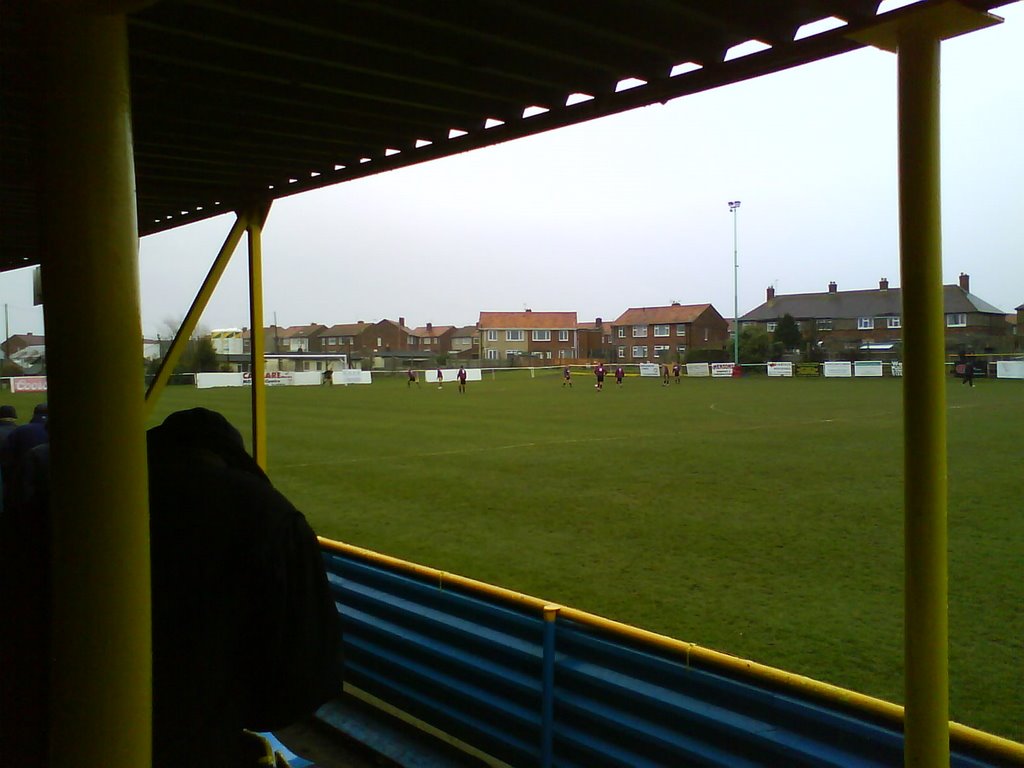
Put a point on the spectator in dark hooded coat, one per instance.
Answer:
(245, 631)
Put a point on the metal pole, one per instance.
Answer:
(195, 312)
(924, 405)
(547, 719)
(734, 206)
(256, 219)
(101, 674)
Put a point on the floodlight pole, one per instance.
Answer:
(734, 206)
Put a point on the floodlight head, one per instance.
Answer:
(734, 204)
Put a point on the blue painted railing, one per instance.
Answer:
(534, 685)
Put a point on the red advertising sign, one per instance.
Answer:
(28, 384)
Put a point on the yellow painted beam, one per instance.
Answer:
(195, 312)
(257, 218)
(101, 680)
(926, 632)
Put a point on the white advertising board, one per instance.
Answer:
(837, 369)
(209, 380)
(698, 369)
(28, 384)
(351, 376)
(1010, 369)
(270, 378)
(780, 369)
(450, 374)
(896, 368)
(867, 368)
(721, 370)
(650, 369)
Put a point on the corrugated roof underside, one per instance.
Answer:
(242, 100)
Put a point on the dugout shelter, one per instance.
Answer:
(123, 118)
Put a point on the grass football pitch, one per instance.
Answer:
(759, 517)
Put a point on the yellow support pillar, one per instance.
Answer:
(101, 679)
(916, 35)
(195, 312)
(257, 218)
(924, 405)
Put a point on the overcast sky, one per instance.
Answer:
(631, 210)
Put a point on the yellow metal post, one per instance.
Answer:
(915, 37)
(924, 404)
(257, 217)
(188, 325)
(101, 680)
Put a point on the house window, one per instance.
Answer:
(492, 335)
(865, 323)
(514, 335)
(622, 333)
(661, 349)
(492, 354)
(548, 356)
(542, 335)
(563, 335)
(380, 342)
(894, 322)
(639, 352)
(681, 349)
(661, 330)
(639, 331)
(956, 320)
(621, 352)
(824, 323)
(680, 330)
(563, 353)
(771, 326)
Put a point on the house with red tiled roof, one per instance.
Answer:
(667, 333)
(342, 338)
(595, 340)
(278, 340)
(541, 335)
(465, 342)
(434, 339)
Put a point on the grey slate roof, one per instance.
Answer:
(852, 304)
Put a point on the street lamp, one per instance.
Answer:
(734, 206)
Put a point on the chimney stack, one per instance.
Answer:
(529, 310)
(883, 284)
(832, 287)
(770, 293)
(429, 327)
(965, 282)
(401, 321)
(597, 322)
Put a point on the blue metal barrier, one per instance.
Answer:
(532, 685)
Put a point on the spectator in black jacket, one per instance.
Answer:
(245, 631)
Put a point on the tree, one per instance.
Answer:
(787, 332)
(756, 346)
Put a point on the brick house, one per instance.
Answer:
(344, 338)
(541, 335)
(667, 333)
(434, 339)
(1018, 329)
(19, 341)
(278, 340)
(465, 342)
(860, 319)
(595, 340)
